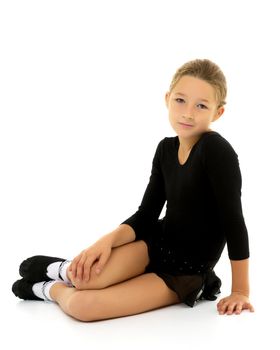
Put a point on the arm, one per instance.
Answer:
(99, 251)
(122, 235)
(240, 276)
(222, 166)
(143, 220)
(137, 227)
(238, 300)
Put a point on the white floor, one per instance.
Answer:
(39, 325)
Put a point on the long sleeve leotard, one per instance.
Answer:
(203, 210)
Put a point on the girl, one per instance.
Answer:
(146, 262)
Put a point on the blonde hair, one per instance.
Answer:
(206, 70)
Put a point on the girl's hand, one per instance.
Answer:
(234, 303)
(98, 253)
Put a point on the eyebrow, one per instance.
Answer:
(200, 99)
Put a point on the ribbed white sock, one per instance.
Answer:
(42, 289)
(63, 271)
(57, 271)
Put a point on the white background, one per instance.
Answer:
(82, 110)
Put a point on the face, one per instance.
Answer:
(192, 101)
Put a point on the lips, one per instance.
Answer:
(186, 124)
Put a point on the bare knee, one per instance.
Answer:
(94, 283)
(80, 307)
(116, 269)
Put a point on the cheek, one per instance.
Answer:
(175, 109)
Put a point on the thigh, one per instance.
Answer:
(140, 294)
(125, 262)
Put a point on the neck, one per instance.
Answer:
(187, 143)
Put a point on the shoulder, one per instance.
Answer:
(166, 143)
(168, 140)
(165, 148)
(213, 144)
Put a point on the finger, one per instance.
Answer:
(74, 265)
(230, 308)
(80, 267)
(221, 305)
(71, 278)
(102, 261)
(221, 302)
(238, 308)
(224, 300)
(249, 307)
(223, 308)
(87, 267)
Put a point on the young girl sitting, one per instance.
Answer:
(147, 262)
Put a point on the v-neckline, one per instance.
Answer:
(182, 164)
(191, 151)
(177, 154)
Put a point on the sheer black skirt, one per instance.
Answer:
(190, 281)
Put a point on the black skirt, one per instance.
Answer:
(190, 281)
(191, 288)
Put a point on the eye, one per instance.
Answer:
(203, 106)
(179, 100)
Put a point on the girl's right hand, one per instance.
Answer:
(99, 253)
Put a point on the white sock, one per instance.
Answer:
(57, 269)
(42, 289)
(63, 271)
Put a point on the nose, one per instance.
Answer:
(188, 117)
(188, 113)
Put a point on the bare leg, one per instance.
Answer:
(125, 262)
(140, 294)
(62, 294)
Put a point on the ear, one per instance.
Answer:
(167, 95)
(219, 113)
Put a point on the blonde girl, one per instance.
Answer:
(146, 262)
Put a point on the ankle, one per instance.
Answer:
(56, 289)
(69, 274)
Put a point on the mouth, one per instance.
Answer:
(186, 125)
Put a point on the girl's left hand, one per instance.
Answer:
(234, 303)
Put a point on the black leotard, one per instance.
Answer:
(204, 209)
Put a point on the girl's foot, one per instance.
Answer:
(27, 290)
(44, 268)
